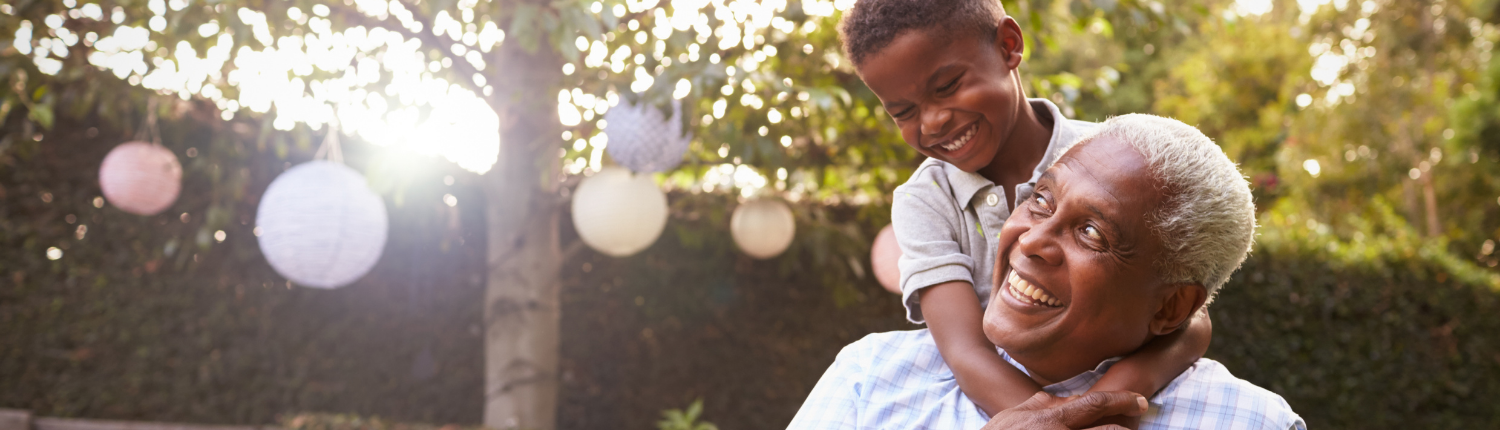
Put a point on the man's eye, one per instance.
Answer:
(1042, 202)
(1092, 233)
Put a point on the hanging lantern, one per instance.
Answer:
(642, 140)
(140, 178)
(320, 225)
(619, 213)
(763, 228)
(884, 256)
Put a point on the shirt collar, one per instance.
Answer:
(967, 184)
(1073, 386)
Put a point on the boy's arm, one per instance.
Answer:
(1156, 364)
(957, 325)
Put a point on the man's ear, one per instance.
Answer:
(1010, 42)
(1177, 305)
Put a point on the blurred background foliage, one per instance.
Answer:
(1366, 128)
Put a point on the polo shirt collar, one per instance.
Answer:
(967, 184)
(1076, 385)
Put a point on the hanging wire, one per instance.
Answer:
(148, 131)
(330, 150)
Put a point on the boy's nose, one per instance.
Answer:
(934, 120)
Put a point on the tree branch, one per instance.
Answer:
(460, 65)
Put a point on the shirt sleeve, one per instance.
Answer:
(927, 226)
(835, 402)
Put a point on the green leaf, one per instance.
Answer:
(41, 114)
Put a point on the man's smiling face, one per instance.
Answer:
(1075, 282)
(954, 96)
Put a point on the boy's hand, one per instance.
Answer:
(1044, 411)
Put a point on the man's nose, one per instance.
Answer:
(1040, 242)
(934, 120)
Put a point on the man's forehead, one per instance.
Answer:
(1110, 165)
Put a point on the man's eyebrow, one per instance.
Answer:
(1113, 226)
(1047, 176)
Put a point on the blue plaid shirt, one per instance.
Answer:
(897, 380)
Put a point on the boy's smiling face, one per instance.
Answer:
(954, 95)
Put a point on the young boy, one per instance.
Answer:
(946, 72)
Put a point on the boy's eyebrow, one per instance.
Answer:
(932, 80)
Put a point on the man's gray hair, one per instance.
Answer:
(1207, 220)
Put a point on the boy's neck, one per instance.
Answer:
(1025, 147)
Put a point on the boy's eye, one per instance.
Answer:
(949, 86)
(1092, 233)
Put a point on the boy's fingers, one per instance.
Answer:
(1090, 407)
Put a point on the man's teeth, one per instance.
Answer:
(960, 141)
(1023, 290)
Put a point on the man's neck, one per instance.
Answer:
(1053, 369)
(1024, 149)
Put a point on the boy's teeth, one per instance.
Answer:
(960, 141)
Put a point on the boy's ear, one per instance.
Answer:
(1177, 306)
(1010, 42)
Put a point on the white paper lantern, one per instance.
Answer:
(763, 228)
(619, 213)
(320, 225)
(884, 256)
(642, 140)
(140, 178)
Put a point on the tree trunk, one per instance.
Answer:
(521, 305)
(1429, 196)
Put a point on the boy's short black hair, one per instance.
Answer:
(872, 24)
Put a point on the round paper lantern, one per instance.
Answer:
(642, 140)
(619, 213)
(140, 178)
(884, 255)
(763, 228)
(320, 225)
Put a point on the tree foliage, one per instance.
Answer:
(1371, 125)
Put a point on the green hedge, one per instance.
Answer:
(143, 320)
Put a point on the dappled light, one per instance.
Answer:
(583, 214)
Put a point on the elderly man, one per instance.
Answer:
(1132, 231)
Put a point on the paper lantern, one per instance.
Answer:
(320, 225)
(884, 256)
(619, 213)
(642, 140)
(140, 178)
(763, 228)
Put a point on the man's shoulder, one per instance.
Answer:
(1208, 396)
(891, 344)
(908, 355)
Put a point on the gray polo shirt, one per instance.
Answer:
(947, 221)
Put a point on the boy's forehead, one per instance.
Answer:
(914, 56)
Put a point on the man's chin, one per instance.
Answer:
(1009, 334)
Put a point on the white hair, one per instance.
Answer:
(1206, 222)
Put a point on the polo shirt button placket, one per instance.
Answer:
(992, 199)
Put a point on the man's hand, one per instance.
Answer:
(1043, 411)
